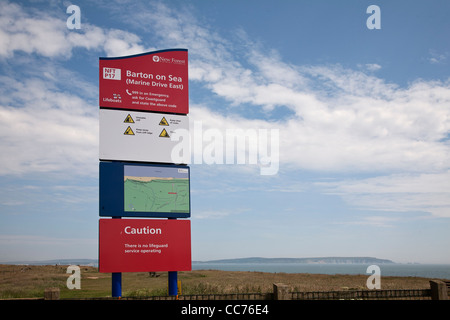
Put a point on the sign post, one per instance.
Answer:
(173, 283)
(143, 99)
(116, 284)
(173, 280)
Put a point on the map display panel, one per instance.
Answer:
(156, 189)
(133, 189)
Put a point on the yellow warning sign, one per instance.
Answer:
(128, 119)
(164, 134)
(129, 131)
(163, 122)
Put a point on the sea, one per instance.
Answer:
(434, 271)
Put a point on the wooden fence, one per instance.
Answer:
(439, 290)
(281, 292)
(409, 294)
(414, 294)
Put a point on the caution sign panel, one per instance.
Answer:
(139, 136)
(137, 245)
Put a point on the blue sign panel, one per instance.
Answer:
(144, 190)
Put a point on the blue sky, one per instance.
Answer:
(363, 117)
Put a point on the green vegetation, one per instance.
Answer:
(20, 281)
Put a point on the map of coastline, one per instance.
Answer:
(156, 194)
(147, 179)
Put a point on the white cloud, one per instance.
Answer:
(405, 131)
(217, 214)
(20, 31)
(426, 192)
(341, 120)
(372, 67)
(437, 58)
(40, 33)
(122, 43)
(373, 221)
(48, 118)
(43, 129)
(17, 247)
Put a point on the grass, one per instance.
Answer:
(18, 281)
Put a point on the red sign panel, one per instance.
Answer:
(153, 81)
(144, 245)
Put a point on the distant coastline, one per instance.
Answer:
(316, 265)
(317, 260)
(79, 262)
(258, 260)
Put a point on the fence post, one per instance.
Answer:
(438, 290)
(51, 294)
(281, 292)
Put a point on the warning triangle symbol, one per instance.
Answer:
(128, 119)
(129, 131)
(163, 122)
(164, 134)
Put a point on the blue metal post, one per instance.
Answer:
(116, 280)
(173, 283)
(173, 278)
(116, 285)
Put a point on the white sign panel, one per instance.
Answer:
(138, 136)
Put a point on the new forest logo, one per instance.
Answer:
(167, 60)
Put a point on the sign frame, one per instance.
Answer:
(112, 191)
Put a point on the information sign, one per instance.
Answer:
(139, 136)
(144, 190)
(152, 81)
(144, 245)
